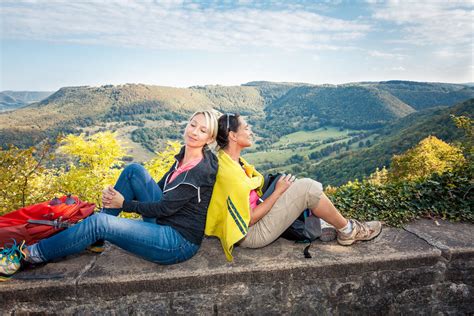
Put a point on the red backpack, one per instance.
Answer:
(39, 221)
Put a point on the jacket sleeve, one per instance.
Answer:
(171, 202)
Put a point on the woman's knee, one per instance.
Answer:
(310, 184)
(98, 222)
(314, 191)
(136, 171)
(133, 168)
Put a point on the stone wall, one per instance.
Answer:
(422, 269)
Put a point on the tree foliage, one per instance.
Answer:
(430, 156)
(95, 162)
(158, 166)
(448, 196)
(433, 179)
(23, 178)
(467, 142)
(395, 139)
(88, 164)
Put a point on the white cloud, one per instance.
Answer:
(458, 52)
(447, 53)
(399, 68)
(376, 53)
(429, 22)
(174, 25)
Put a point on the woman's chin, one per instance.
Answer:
(193, 144)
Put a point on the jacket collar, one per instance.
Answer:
(203, 174)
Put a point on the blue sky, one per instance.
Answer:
(46, 45)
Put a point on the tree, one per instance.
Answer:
(95, 164)
(430, 156)
(158, 166)
(90, 163)
(467, 144)
(379, 177)
(23, 177)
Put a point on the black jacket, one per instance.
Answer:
(185, 200)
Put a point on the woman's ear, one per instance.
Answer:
(232, 136)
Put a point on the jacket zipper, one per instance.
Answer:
(182, 182)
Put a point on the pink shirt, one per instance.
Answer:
(253, 196)
(253, 199)
(184, 168)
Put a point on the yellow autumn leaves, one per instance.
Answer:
(81, 165)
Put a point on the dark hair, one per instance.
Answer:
(226, 123)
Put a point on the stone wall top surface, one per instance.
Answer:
(116, 272)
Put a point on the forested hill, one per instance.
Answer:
(351, 106)
(395, 138)
(275, 108)
(8, 103)
(72, 108)
(422, 95)
(272, 91)
(10, 100)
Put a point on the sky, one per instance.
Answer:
(46, 45)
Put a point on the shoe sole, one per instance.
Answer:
(352, 241)
(4, 278)
(328, 234)
(96, 249)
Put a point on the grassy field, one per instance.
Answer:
(320, 134)
(302, 143)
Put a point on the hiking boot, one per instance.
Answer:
(328, 232)
(10, 260)
(97, 247)
(360, 231)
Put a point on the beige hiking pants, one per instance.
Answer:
(302, 194)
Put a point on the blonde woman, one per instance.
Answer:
(174, 208)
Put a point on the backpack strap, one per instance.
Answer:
(306, 253)
(56, 223)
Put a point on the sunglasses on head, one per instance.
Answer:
(228, 120)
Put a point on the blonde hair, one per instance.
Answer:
(211, 122)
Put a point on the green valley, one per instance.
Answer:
(332, 132)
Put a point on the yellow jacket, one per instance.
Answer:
(228, 215)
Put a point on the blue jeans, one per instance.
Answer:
(156, 243)
(135, 183)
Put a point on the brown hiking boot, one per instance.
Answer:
(360, 231)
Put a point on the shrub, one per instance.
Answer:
(431, 155)
(449, 196)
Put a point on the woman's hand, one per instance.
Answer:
(112, 198)
(283, 183)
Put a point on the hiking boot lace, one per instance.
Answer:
(361, 230)
(13, 253)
